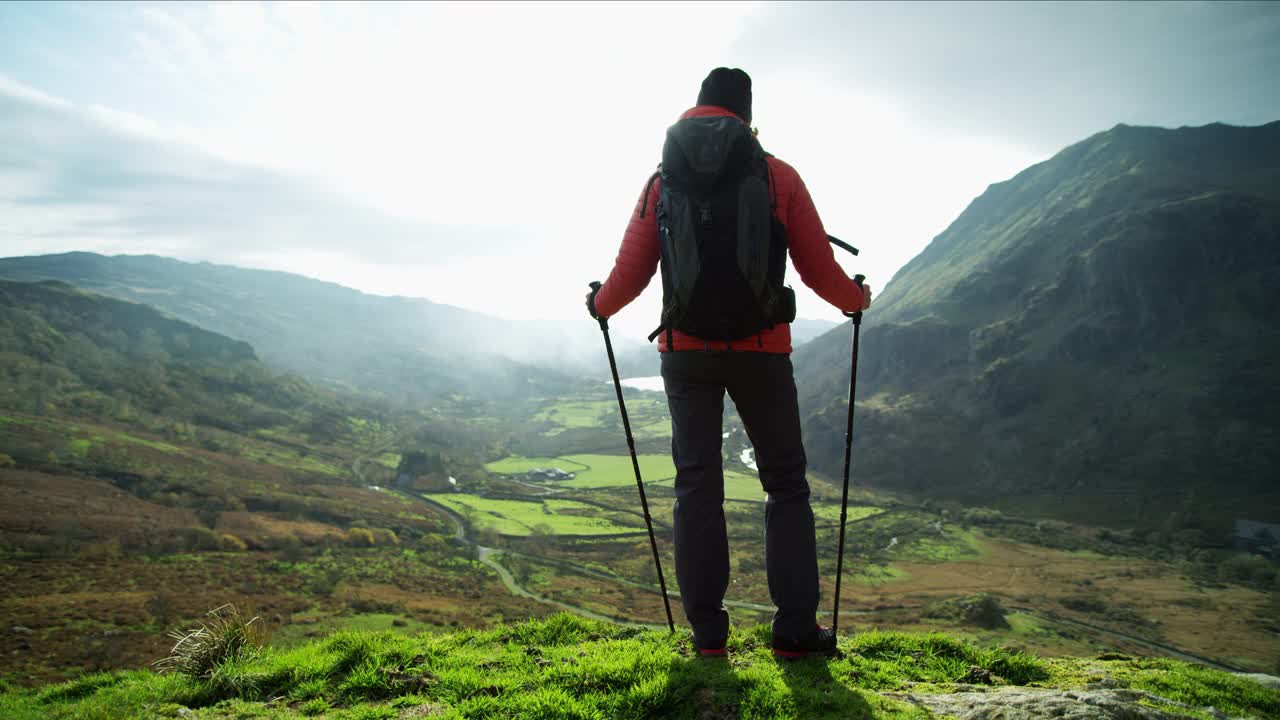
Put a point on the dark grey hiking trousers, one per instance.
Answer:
(763, 388)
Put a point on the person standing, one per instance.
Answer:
(720, 218)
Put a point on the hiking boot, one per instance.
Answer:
(709, 649)
(819, 641)
(708, 652)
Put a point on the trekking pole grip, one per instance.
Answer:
(595, 287)
(857, 316)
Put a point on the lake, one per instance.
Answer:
(652, 383)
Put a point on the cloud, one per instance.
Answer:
(448, 151)
(75, 178)
(1038, 74)
(86, 178)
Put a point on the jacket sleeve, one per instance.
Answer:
(637, 259)
(810, 251)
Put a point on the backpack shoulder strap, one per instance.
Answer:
(644, 201)
(773, 185)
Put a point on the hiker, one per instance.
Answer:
(725, 327)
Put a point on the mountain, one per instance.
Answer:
(804, 330)
(1093, 339)
(71, 351)
(408, 349)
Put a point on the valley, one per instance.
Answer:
(94, 574)
(1021, 477)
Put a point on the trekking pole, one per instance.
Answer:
(842, 244)
(848, 447)
(635, 463)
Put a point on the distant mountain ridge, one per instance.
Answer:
(79, 353)
(407, 348)
(1094, 338)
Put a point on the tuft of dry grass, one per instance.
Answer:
(226, 635)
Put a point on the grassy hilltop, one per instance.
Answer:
(569, 667)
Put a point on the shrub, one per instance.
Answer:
(6, 461)
(292, 549)
(383, 536)
(1246, 568)
(225, 636)
(162, 606)
(982, 610)
(325, 583)
(102, 550)
(981, 516)
(188, 539)
(231, 543)
(360, 537)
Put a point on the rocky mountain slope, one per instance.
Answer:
(1094, 338)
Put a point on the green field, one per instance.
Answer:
(746, 487)
(593, 471)
(517, 464)
(737, 486)
(616, 471)
(648, 416)
(876, 575)
(953, 544)
(578, 414)
(831, 513)
(521, 517)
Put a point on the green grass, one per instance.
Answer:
(579, 414)
(953, 544)
(876, 575)
(79, 447)
(831, 513)
(295, 634)
(604, 471)
(517, 464)
(521, 517)
(568, 667)
(737, 486)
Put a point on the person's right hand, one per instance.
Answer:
(866, 295)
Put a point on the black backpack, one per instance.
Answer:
(723, 250)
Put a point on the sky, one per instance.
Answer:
(488, 155)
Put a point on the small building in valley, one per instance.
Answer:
(549, 474)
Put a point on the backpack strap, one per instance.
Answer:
(773, 186)
(644, 202)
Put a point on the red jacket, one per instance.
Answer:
(806, 241)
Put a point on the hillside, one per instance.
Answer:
(408, 349)
(565, 667)
(91, 355)
(147, 464)
(1092, 339)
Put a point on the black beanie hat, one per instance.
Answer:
(729, 89)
